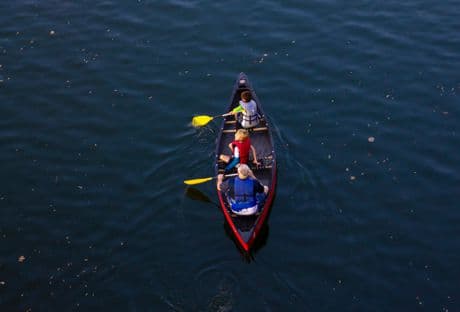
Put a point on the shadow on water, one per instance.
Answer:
(196, 194)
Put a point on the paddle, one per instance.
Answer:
(203, 120)
(203, 180)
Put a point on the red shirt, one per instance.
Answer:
(243, 147)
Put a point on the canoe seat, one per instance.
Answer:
(262, 167)
(260, 129)
(250, 130)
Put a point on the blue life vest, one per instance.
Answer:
(244, 194)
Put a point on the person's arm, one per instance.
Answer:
(237, 109)
(224, 184)
(220, 179)
(260, 188)
(254, 155)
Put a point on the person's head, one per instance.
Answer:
(243, 171)
(241, 134)
(246, 96)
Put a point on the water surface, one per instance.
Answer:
(96, 101)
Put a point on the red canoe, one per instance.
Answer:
(247, 229)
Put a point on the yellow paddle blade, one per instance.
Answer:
(197, 181)
(199, 121)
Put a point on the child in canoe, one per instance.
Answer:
(240, 148)
(248, 109)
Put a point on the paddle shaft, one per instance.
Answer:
(224, 115)
(203, 180)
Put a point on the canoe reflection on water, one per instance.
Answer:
(196, 194)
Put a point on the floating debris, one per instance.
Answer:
(52, 32)
(352, 178)
(371, 139)
(21, 259)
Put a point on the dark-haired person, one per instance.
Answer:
(248, 109)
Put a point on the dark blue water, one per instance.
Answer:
(96, 100)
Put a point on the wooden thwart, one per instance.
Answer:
(254, 129)
(261, 167)
(260, 129)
